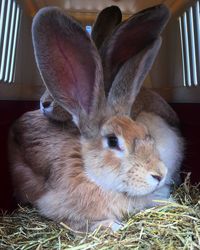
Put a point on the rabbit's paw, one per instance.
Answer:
(107, 225)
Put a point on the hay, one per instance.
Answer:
(172, 226)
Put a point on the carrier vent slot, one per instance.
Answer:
(197, 39)
(88, 28)
(10, 13)
(189, 24)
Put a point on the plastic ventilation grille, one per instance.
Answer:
(189, 24)
(10, 13)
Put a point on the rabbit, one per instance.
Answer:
(106, 21)
(101, 164)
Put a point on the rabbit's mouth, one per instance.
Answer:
(142, 188)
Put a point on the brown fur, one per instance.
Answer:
(55, 179)
(125, 127)
(74, 173)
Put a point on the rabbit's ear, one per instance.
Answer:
(131, 37)
(69, 63)
(105, 23)
(129, 79)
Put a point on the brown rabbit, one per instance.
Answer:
(91, 171)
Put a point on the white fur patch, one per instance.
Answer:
(75, 119)
(168, 143)
(116, 226)
(113, 225)
(107, 179)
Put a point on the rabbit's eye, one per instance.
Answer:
(113, 142)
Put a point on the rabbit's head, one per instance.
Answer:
(123, 158)
(118, 152)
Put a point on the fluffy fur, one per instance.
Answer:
(90, 171)
(82, 182)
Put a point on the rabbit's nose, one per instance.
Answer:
(46, 104)
(157, 177)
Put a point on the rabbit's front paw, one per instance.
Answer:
(107, 224)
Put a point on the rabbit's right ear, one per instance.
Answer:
(129, 79)
(105, 23)
(69, 64)
(130, 38)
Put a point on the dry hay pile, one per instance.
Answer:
(172, 226)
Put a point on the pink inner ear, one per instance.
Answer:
(73, 69)
(132, 41)
(77, 74)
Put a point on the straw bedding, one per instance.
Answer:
(175, 225)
